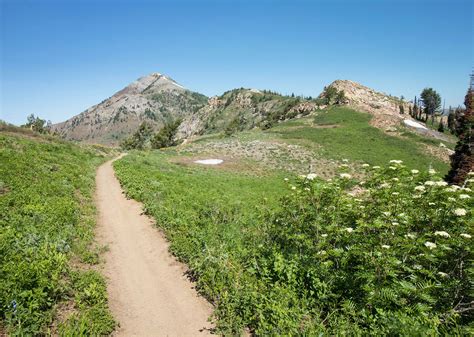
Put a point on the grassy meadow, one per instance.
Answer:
(47, 239)
(286, 255)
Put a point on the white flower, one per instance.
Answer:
(470, 180)
(450, 189)
(384, 185)
(395, 223)
(430, 245)
(464, 196)
(431, 203)
(442, 233)
(395, 179)
(442, 145)
(345, 176)
(420, 188)
(440, 273)
(343, 165)
(417, 266)
(451, 199)
(322, 252)
(307, 189)
(365, 165)
(392, 167)
(460, 211)
(429, 183)
(393, 161)
(415, 171)
(349, 229)
(293, 187)
(471, 173)
(441, 183)
(375, 167)
(395, 193)
(286, 179)
(464, 235)
(324, 235)
(386, 213)
(345, 160)
(467, 189)
(431, 171)
(385, 246)
(311, 176)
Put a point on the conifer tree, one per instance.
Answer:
(462, 161)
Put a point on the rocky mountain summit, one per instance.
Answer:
(155, 98)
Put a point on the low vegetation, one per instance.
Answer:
(46, 237)
(342, 132)
(391, 255)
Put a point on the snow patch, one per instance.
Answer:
(414, 124)
(209, 161)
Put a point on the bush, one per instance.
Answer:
(395, 259)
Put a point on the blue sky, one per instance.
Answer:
(60, 57)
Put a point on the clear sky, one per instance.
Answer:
(60, 57)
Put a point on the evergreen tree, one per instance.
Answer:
(166, 136)
(402, 109)
(431, 101)
(462, 161)
(139, 139)
(451, 121)
(441, 125)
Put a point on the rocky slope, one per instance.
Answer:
(154, 98)
(384, 108)
(243, 109)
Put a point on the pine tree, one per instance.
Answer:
(462, 161)
(441, 125)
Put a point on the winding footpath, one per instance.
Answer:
(149, 293)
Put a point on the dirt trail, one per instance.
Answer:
(148, 292)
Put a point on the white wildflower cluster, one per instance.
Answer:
(365, 165)
(349, 229)
(385, 246)
(440, 273)
(464, 196)
(441, 183)
(384, 185)
(431, 171)
(460, 211)
(466, 236)
(442, 233)
(420, 188)
(311, 176)
(376, 167)
(429, 183)
(345, 176)
(415, 171)
(430, 245)
(394, 161)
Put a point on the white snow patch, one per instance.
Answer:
(414, 124)
(209, 161)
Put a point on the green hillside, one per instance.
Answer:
(46, 241)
